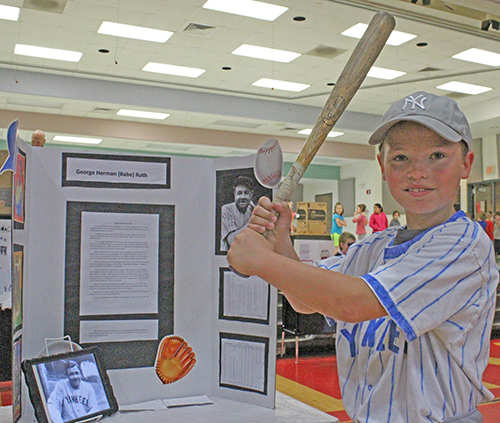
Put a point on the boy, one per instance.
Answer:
(345, 241)
(414, 305)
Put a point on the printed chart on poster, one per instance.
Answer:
(243, 362)
(243, 299)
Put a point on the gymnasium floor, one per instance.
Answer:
(313, 380)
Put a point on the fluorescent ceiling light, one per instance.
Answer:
(173, 70)
(331, 134)
(280, 85)
(266, 53)
(462, 87)
(140, 114)
(477, 55)
(250, 8)
(80, 140)
(48, 53)
(9, 13)
(135, 32)
(395, 39)
(382, 73)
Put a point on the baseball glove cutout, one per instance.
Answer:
(174, 360)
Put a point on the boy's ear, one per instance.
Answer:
(467, 165)
(380, 162)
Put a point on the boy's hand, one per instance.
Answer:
(249, 252)
(275, 218)
(250, 248)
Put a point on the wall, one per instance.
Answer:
(311, 189)
(490, 158)
(368, 186)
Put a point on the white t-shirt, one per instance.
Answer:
(424, 361)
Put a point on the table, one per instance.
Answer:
(288, 410)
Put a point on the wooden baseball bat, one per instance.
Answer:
(362, 58)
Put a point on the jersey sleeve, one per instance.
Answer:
(444, 278)
(227, 221)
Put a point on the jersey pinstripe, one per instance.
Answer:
(424, 361)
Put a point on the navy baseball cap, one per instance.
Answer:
(441, 114)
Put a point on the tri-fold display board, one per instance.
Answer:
(121, 251)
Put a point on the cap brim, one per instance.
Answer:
(435, 125)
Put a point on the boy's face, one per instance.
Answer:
(423, 172)
(344, 246)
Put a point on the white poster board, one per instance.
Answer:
(165, 266)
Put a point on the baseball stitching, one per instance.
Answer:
(276, 174)
(268, 150)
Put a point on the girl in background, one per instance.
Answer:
(395, 219)
(361, 221)
(338, 223)
(378, 220)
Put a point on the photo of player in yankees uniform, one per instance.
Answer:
(237, 191)
(72, 397)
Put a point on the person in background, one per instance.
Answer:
(338, 223)
(293, 227)
(378, 220)
(490, 226)
(496, 232)
(345, 241)
(487, 225)
(38, 138)
(395, 219)
(360, 220)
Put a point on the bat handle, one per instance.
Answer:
(290, 182)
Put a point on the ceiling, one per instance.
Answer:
(221, 113)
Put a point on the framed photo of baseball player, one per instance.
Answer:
(69, 387)
(237, 193)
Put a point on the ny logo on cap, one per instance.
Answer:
(419, 101)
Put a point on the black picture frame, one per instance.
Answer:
(224, 181)
(42, 375)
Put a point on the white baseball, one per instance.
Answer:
(269, 163)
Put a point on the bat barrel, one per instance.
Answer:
(362, 59)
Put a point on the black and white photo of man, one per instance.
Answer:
(237, 192)
(235, 216)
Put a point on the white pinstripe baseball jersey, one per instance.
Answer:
(424, 361)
